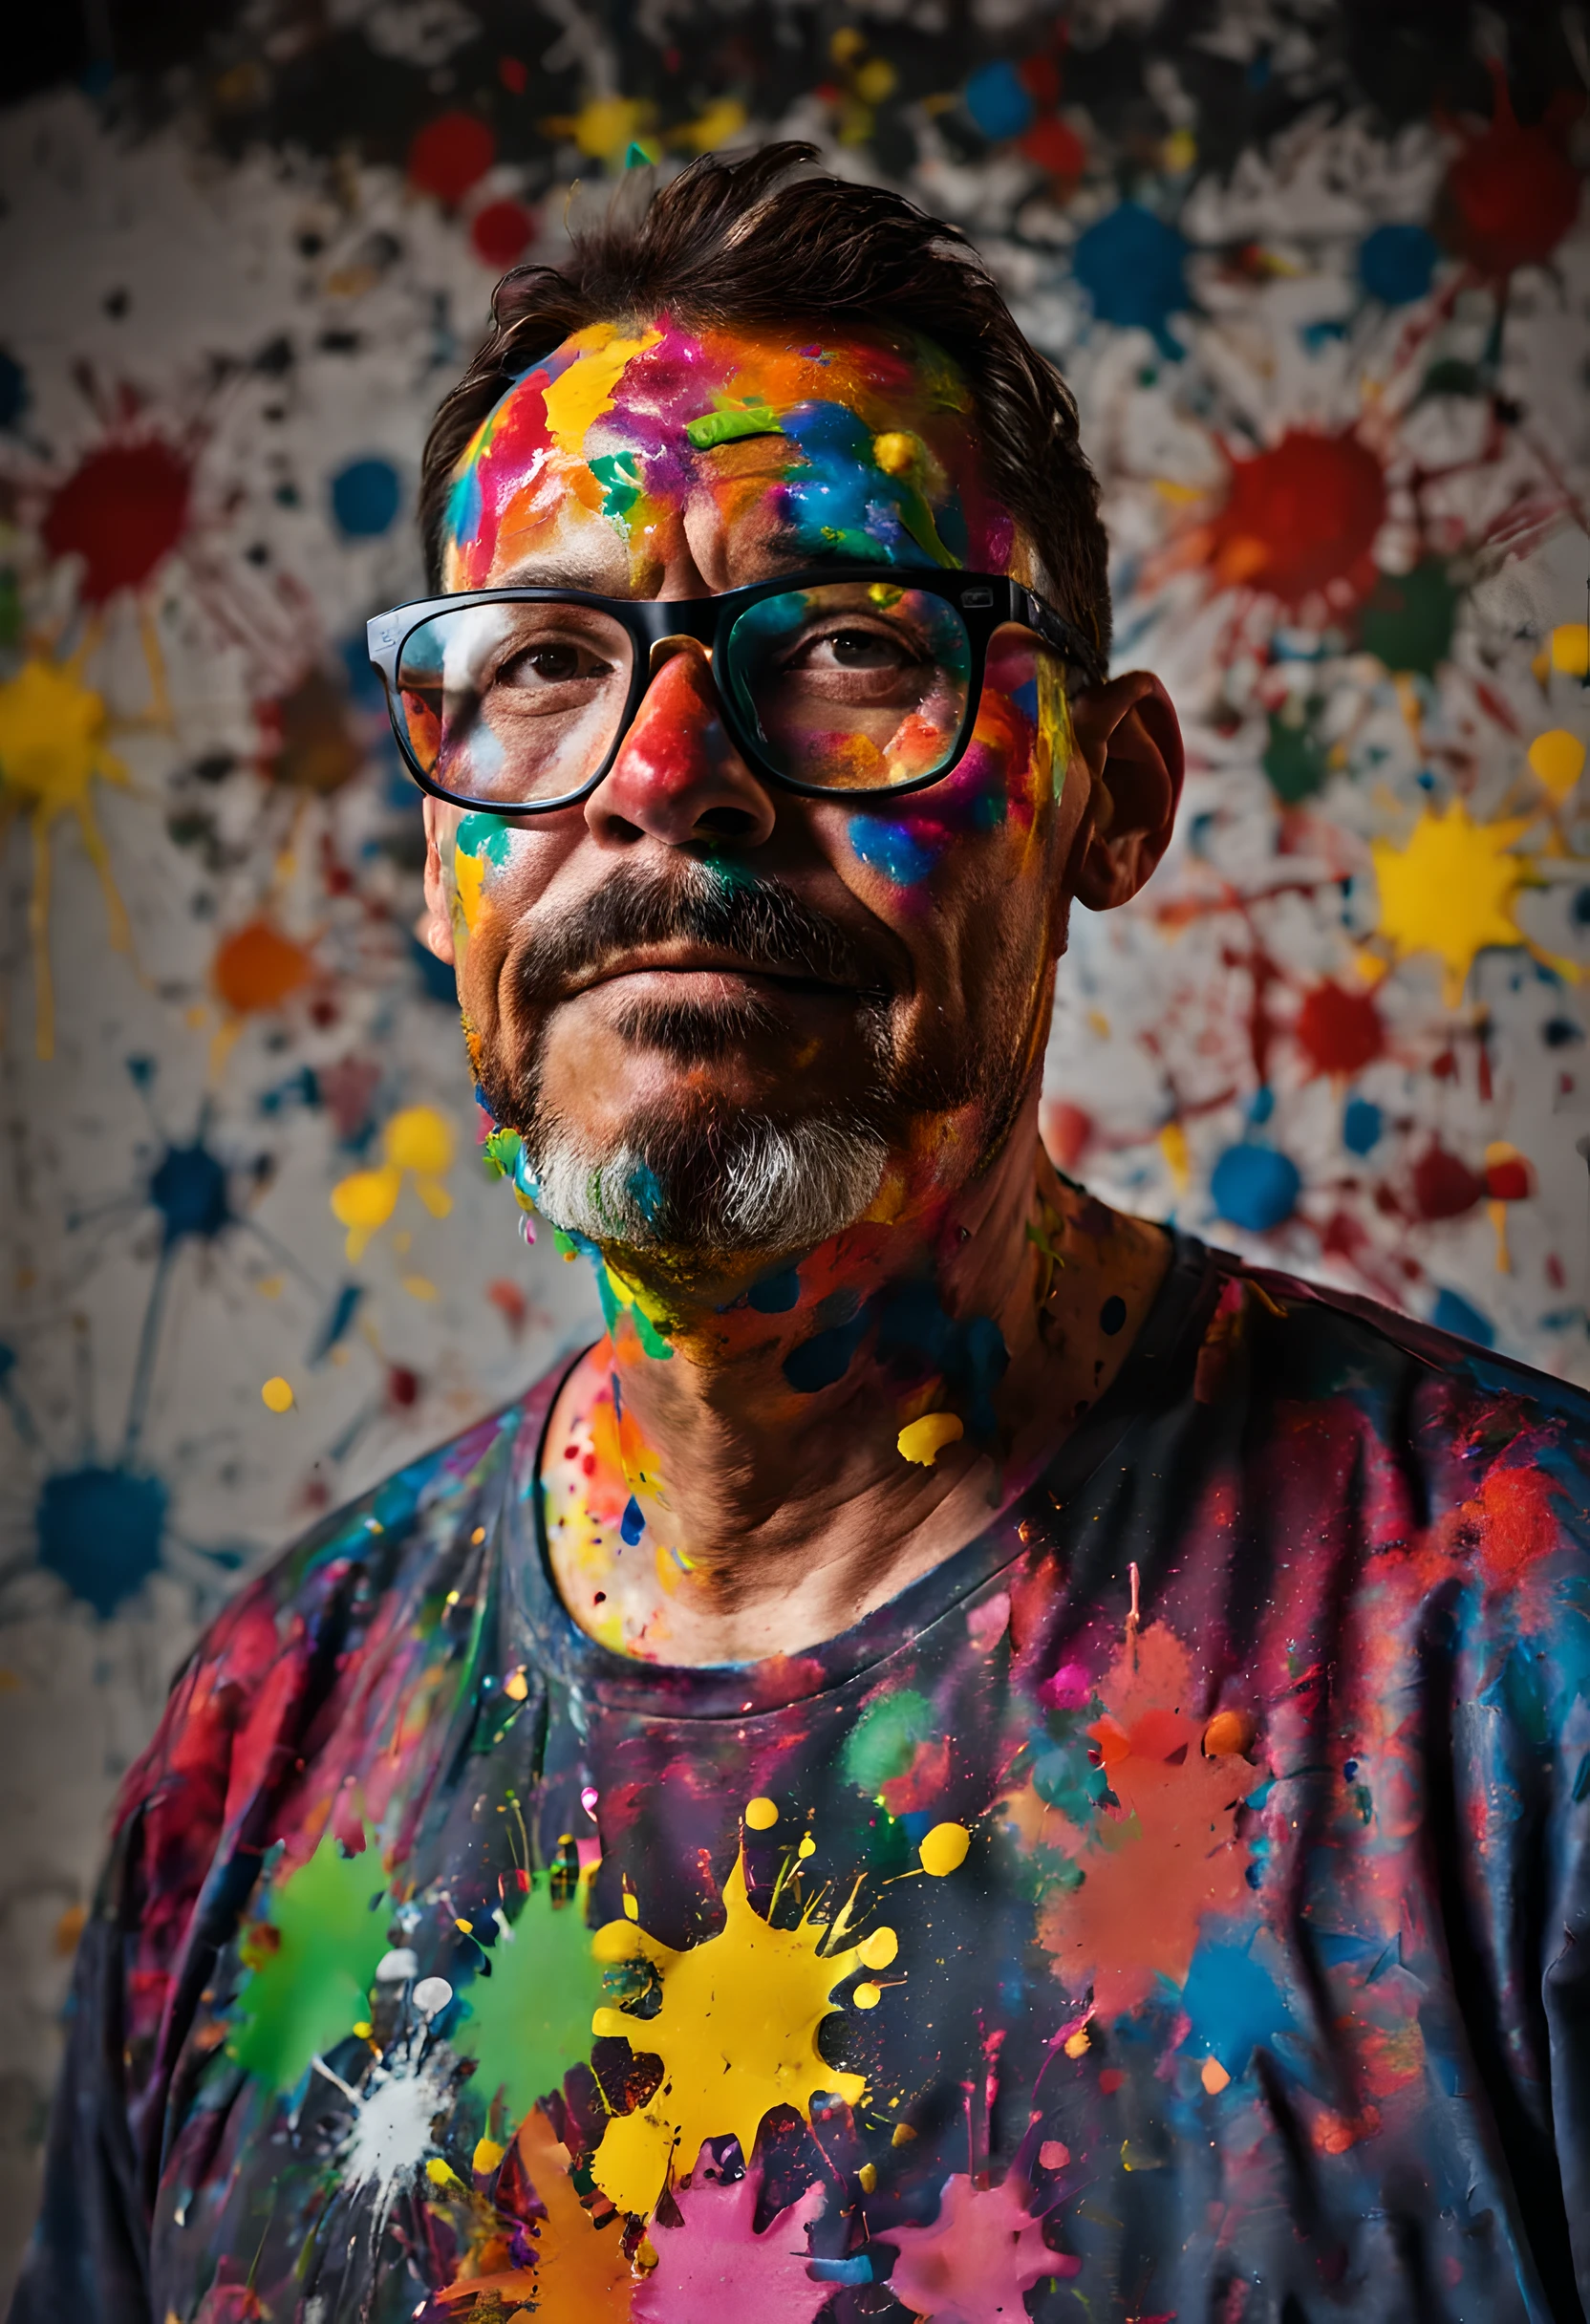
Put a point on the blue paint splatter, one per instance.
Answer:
(996, 102)
(632, 1523)
(826, 1357)
(1235, 2005)
(188, 1188)
(1261, 1105)
(1396, 262)
(1453, 1312)
(891, 849)
(486, 835)
(1361, 1124)
(1254, 1187)
(339, 1323)
(101, 1529)
(1131, 265)
(365, 497)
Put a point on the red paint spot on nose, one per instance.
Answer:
(122, 512)
(1339, 1032)
(1443, 1187)
(450, 155)
(500, 232)
(1512, 194)
(1302, 518)
(257, 968)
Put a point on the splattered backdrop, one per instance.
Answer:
(1317, 276)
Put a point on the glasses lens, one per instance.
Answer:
(855, 685)
(513, 704)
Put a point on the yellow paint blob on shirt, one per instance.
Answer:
(922, 1441)
(762, 1814)
(944, 1848)
(1557, 758)
(1077, 2044)
(866, 2178)
(737, 2034)
(866, 1995)
(486, 2156)
(879, 1949)
(276, 1395)
(1451, 890)
(579, 395)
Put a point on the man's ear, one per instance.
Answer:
(1130, 736)
(435, 925)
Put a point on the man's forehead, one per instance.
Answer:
(858, 440)
(666, 384)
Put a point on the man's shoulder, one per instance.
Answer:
(1478, 1438)
(362, 1589)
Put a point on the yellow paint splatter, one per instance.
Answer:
(1173, 1145)
(1557, 758)
(1571, 648)
(579, 395)
(606, 128)
(762, 1814)
(1451, 890)
(417, 1144)
(921, 1441)
(486, 2156)
(277, 1394)
(943, 1849)
(736, 2034)
(51, 750)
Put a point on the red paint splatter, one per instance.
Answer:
(514, 74)
(1511, 194)
(1339, 1032)
(1443, 1187)
(1302, 518)
(123, 510)
(450, 155)
(1515, 1523)
(509, 1303)
(258, 968)
(1056, 147)
(501, 233)
(402, 1387)
(1509, 1178)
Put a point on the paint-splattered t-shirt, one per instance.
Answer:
(1003, 1955)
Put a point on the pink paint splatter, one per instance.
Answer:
(980, 2255)
(717, 2260)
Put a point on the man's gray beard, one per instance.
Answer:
(709, 1190)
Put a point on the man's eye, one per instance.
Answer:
(554, 664)
(855, 649)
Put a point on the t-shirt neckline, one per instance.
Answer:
(737, 1691)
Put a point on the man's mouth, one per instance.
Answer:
(688, 971)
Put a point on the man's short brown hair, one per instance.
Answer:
(764, 238)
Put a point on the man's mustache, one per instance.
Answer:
(758, 921)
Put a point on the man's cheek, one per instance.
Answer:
(1002, 783)
(474, 875)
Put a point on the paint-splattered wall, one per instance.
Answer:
(1317, 276)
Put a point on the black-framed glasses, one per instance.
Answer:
(861, 679)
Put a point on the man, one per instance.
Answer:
(971, 1758)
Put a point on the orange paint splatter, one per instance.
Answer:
(1167, 1856)
(256, 968)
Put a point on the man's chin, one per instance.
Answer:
(702, 1192)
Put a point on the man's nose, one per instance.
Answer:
(677, 777)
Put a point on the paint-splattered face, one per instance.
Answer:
(886, 962)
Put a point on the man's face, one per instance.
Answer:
(728, 1017)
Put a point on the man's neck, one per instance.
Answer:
(726, 1481)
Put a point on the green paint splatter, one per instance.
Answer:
(1408, 619)
(529, 2021)
(486, 835)
(501, 1151)
(622, 481)
(732, 422)
(884, 1740)
(312, 1963)
(1296, 757)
